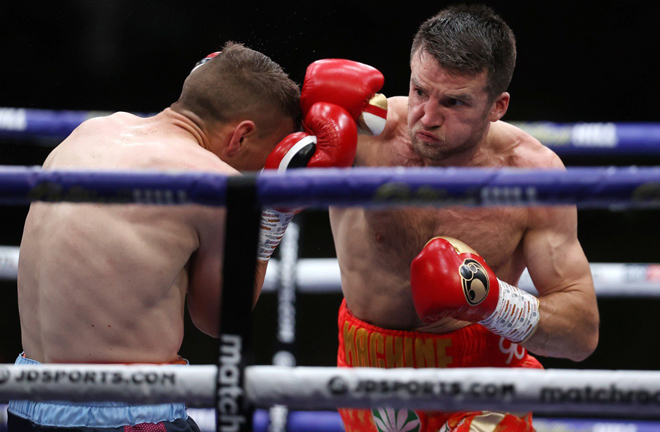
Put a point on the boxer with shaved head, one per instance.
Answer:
(109, 283)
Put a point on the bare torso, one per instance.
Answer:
(107, 283)
(375, 248)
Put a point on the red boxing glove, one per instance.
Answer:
(329, 140)
(351, 85)
(206, 60)
(450, 279)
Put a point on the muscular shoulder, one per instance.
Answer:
(125, 141)
(521, 149)
(525, 151)
(112, 121)
(187, 155)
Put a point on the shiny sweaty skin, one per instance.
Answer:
(375, 248)
(107, 283)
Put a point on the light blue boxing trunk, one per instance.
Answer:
(92, 414)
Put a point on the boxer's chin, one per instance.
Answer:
(436, 150)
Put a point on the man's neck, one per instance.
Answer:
(190, 123)
(476, 156)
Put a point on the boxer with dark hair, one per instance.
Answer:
(436, 287)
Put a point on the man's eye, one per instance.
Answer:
(419, 92)
(453, 102)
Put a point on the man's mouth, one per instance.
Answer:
(427, 137)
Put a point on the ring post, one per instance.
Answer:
(233, 410)
(285, 354)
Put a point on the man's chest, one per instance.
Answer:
(399, 235)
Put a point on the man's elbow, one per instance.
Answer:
(587, 345)
(210, 327)
(209, 330)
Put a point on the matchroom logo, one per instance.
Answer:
(474, 279)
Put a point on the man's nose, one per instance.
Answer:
(432, 115)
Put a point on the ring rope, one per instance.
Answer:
(611, 280)
(597, 187)
(322, 276)
(554, 391)
(564, 138)
(9, 262)
(330, 421)
(30, 122)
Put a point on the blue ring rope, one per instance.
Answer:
(596, 187)
(329, 421)
(604, 139)
(29, 122)
(566, 139)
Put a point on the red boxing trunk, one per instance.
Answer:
(365, 345)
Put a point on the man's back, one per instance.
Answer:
(107, 283)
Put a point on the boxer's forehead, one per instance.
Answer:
(429, 75)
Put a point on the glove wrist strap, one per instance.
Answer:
(516, 315)
(273, 226)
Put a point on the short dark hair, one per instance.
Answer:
(241, 82)
(470, 39)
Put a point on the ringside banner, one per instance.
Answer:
(145, 383)
(595, 393)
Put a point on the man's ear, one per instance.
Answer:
(499, 107)
(241, 132)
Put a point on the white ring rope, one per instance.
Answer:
(321, 276)
(590, 392)
(8, 262)
(133, 383)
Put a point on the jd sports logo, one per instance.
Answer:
(337, 386)
(474, 280)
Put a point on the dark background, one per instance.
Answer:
(577, 62)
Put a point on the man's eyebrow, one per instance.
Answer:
(461, 96)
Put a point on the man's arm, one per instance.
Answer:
(448, 278)
(568, 326)
(205, 271)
